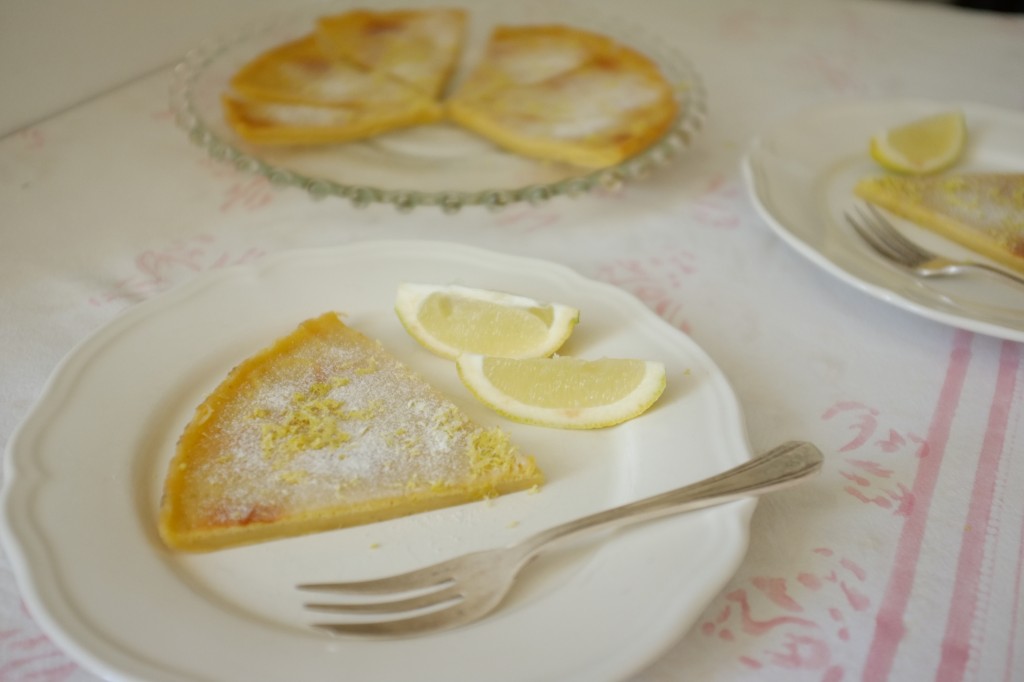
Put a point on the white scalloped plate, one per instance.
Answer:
(84, 473)
(801, 176)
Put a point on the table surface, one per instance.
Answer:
(904, 560)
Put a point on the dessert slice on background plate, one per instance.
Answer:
(983, 212)
(563, 94)
(322, 430)
(417, 47)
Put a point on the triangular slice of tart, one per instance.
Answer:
(418, 47)
(281, 123)
(983, 212)
(325, 429)
(563, 94)
(295, 93)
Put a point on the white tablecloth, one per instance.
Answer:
(903, 561)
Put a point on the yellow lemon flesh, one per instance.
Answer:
(564, 392)
(451, 320)
(924, 146)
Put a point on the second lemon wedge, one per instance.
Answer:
(564, 392)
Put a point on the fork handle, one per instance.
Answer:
(781, 467)
(955, 267)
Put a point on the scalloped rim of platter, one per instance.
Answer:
(463, 158)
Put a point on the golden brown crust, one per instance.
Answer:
(418, 47)
(981, 211)
(563, 94)
(324, 429)
(551, 92)
(296, 94)
(307, 124)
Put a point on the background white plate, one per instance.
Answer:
(801, 177)
(84, 473)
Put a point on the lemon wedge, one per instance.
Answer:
(451, 320)
(924, 146)
(563, 392)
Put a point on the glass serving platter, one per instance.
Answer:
(439, 164)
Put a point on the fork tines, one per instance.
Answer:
(417, 601)
(885, 239)
(891, 237)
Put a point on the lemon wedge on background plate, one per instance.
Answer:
(449, 320)
(563, 392)
(923, 146)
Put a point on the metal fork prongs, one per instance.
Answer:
(883, 237)
(462, 589)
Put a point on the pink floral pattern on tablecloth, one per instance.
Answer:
(793, 622)
(156, 270)
(655, 280)
(26, 655)
(803, 619)
(244, 192)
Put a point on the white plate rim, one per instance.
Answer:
(753, 177)
(42, 586)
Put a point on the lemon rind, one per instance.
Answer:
(411, 296)
(650, 388)
(890, 158)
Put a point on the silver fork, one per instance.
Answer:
(463, 589)
(886, 240)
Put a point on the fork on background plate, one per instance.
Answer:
(883, 237)
(465, 588)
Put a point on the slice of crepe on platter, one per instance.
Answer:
(417, 47)
(297, 94)
(559, 93)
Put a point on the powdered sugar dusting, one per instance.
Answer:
(545, 60)
(329, 424)
(301, 115)
(585, 103)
